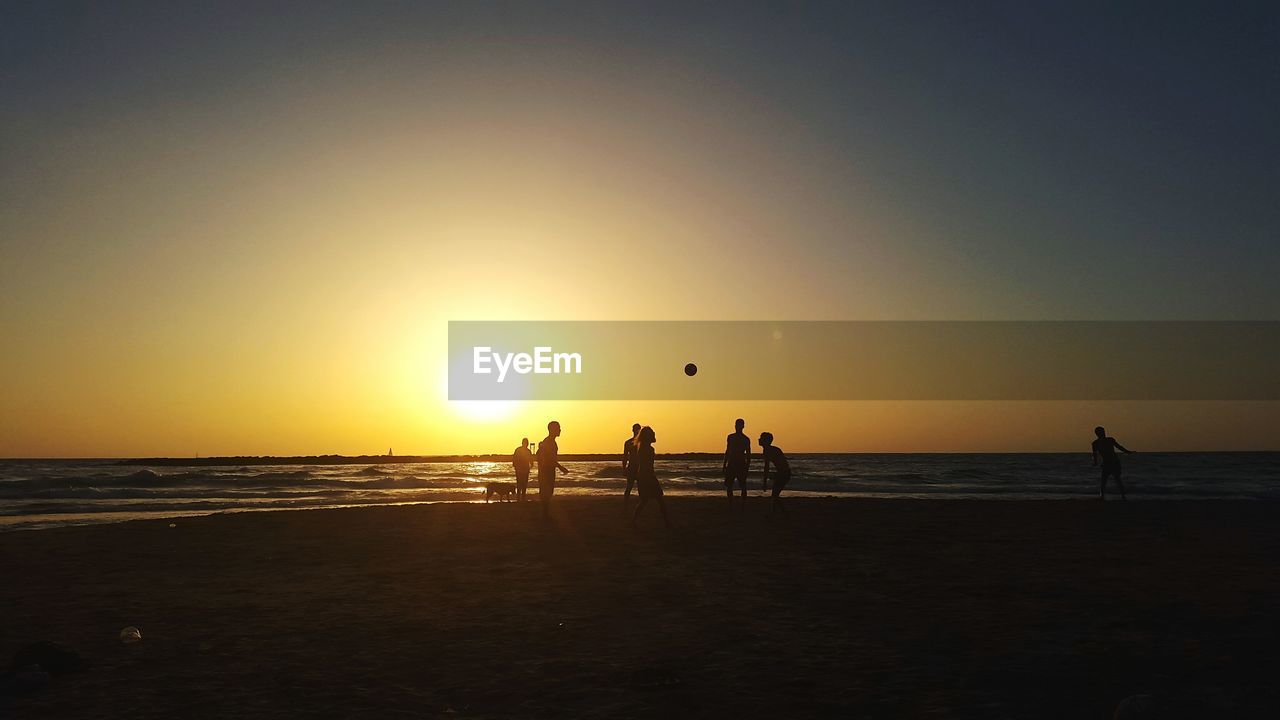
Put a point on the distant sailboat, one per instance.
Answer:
(389, 453)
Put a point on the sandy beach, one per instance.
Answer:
(867, 608)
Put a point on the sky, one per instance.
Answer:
(242, 228)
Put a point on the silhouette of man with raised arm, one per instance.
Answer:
(548, 463)
(737, 460)
(1105, 447)
(522, 459)
(629, 466)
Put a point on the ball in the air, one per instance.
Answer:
(690, 369)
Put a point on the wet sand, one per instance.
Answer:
(861, 608)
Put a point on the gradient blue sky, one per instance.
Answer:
(1099, 158)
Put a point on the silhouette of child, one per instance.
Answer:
(629, 462)
(522, 460)
(782, 475)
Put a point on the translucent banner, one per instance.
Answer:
(830, 360)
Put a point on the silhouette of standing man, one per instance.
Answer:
(737, 460)
(1106, 448)
(548, 463)
(522, 459)
(629, 462)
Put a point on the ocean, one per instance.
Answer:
(49, 493)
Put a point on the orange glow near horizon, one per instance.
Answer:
(277, 280)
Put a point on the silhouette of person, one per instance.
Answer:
(1105, 447)
(629, 463)
(522, 459)
(646, 479)
(548, 463)
(737, 460)
(774, 455)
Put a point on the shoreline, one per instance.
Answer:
(51, 521)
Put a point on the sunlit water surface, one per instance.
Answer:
(44, 493)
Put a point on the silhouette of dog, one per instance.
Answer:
(504, 491)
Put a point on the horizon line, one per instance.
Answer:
(589, 455)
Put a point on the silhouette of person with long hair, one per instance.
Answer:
(1105, 447)
(646, 478)
(629, 463)
(522, 459)
(548, 463)
(737, 460)
(782, 475)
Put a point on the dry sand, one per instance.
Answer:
(859, 608)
